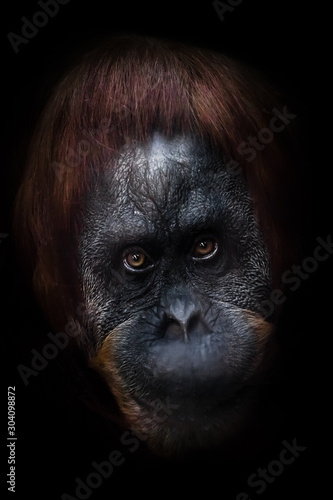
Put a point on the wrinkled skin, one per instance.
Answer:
(173, 270)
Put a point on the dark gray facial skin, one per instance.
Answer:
(174, 271)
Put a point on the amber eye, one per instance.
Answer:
(205, 248)
(136, 260)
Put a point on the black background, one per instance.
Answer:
(289, 41)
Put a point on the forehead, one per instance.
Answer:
(161, 154)
(164, 184)
(163, 170)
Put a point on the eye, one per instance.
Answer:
(136, 260)
(205, 248)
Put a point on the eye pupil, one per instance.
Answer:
(136, 259)
(205, 248)
(203, 245)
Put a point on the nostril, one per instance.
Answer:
(181, 326)
(193, 322)
(175, 330)
(181, 316)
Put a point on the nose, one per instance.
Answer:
(183, 315)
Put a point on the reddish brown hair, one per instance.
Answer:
(127, 88)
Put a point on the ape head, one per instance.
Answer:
(132, 206)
